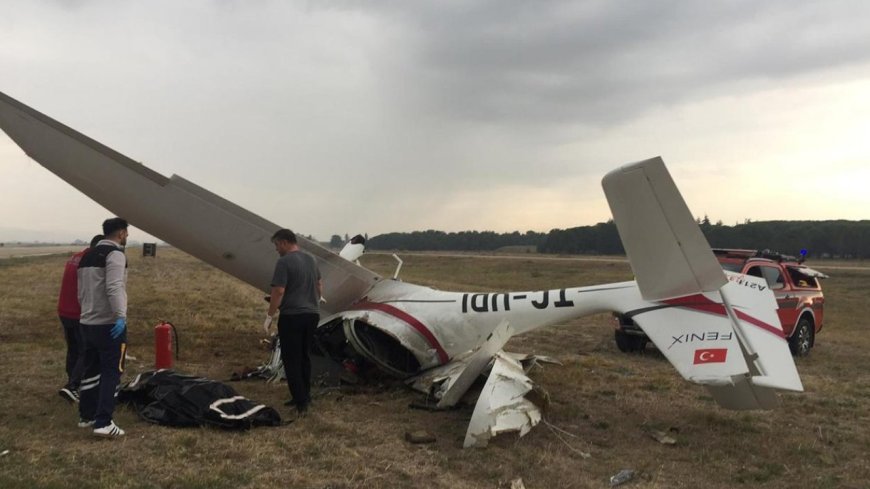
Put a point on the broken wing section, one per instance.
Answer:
(502, 405)
(173, 209)
(449, 382)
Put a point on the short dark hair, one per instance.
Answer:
(96, 239)
(284, 235)
(113, 225)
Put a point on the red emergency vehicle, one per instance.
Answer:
(797, 288)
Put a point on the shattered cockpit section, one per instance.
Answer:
(377, 338)
(347, 345)
(381, 347)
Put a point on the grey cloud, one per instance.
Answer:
(531, 63)
(399, 106)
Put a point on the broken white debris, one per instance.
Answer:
(502, 406)
(530, 361)
(518, 483)
(449, 382)
(458, 385)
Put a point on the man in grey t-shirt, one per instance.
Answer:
(296, 290)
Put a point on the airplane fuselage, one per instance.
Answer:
(436, 326)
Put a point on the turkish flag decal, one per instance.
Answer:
(711, 355)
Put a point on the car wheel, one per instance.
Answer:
(627, 343)
(801, 340)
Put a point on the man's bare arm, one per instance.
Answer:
(275, 299)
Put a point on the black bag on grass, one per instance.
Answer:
(169, 398)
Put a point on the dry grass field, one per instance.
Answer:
(602, 402)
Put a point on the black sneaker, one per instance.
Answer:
(70, 395)
(291, 402)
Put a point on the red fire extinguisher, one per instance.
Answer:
(163, 333)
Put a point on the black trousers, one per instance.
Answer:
(74, 352)
(104, 364)
(296, 332)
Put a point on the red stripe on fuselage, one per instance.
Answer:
(411, 320)
(701, 303)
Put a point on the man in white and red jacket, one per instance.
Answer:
(69, 311)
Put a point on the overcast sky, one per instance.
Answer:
(371, 117)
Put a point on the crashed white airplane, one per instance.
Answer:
(440, 342)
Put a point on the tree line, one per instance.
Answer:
(460, 241)
(821, 239)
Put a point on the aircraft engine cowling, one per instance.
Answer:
(380, 338)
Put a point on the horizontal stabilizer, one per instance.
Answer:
(668, 253)
(742, 396)
(730, 341)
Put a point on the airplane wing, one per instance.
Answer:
(173, 209)
(502, 405)
(449, 382)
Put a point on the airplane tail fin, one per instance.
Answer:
(717, 330)
(669, 255)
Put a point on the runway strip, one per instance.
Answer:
(503, 257)
(22, 251)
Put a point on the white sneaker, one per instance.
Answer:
(111, 430)
(86, 423)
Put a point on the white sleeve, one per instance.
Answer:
(116, 290)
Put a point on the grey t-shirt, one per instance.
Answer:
(297, 272)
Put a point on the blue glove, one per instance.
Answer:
(119, 328)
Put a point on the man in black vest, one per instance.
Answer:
(102, 290)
